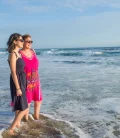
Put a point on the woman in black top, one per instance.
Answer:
(17, 80)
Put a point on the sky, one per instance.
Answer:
(62, 23)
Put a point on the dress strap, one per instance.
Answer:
(15, 54)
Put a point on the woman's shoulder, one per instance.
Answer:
(33, 50)
(12, 56)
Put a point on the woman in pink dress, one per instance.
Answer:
(33, 90)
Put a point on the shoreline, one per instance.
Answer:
(46, 126)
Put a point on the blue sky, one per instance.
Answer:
(62, 23)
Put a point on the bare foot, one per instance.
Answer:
(36, 118)
(11, 132)
(18, 125)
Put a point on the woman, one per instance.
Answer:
(17, 80)
(33, 90)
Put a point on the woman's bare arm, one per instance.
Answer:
(12, 60)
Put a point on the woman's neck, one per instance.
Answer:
(16, 50)
(26, 50)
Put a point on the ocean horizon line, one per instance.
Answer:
(97, 47)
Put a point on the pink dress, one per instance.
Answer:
(33, 90)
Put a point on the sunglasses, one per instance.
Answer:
(29, 42)
(21, 40)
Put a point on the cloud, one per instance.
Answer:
(26, 5)
(3, 15)
(81, 5)
(38, 6)
(33, 9)
(15, 2)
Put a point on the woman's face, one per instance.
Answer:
(19, 42)
(27, 43)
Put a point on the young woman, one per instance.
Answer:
(33, 90)
(17, 80)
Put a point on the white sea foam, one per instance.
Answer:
(1, 132)
(93, 52)
(9, 122)
(78, 132)
(3, 52)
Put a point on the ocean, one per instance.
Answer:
(80, 86)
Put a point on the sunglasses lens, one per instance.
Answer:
(29, 42)
(21, 40)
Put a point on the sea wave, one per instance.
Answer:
(59, 53)
(69, 53)
(108, 63)
(80, 62)
(1, 52)
(107, 53)
(76, 53)
(92, 52)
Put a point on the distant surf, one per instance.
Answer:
(76, 52)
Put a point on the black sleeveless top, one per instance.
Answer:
(19, 102)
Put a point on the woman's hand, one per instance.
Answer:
(19, 92)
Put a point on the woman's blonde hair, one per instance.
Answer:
(26, 36)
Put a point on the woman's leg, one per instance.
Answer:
(37, 105)
(17, 119)
(18, 125)
(27, 112)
